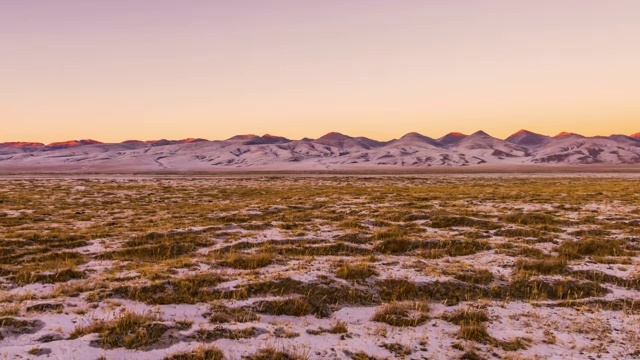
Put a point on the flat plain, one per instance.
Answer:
(263, 266)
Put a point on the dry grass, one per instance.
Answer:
(247, 262)
(273, 354)
(128, 330)
(548, 266)
(201, 353)
(402, 314)
(359, 271)
(283, 246)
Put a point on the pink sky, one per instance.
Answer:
(148, 69)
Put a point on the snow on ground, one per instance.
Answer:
(294, 222)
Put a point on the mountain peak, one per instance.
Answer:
(636, 135)
(243, 137)
(480, 133)
(334, 136)
(266, 139)
(565, 133)
(417, 137)
(522, 132)
(413, 135)
(527, 138)
(452, 138)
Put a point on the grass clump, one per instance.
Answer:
(402, 314)
(474, 331)
(339, 327)
(601, 277)
(449, 292)
(393, 233)
(466, 316)
(397, 349)
(437, 249)
(44, 307)
(396, 246)
(55, 259)
(472, 328)
(462, 221)
(359, 271)
(520, 233)
(10, 310)
(553, 290)
(220, 314)
(592, 247)
(476, 276)
(186, 290)
(247, 262)
(219, 332)
(471, 355)
(201, 353)
(360, 355)
(549, 266)
(292, 307)
(322, 296)
(612, 260)
(27, 277)
(398, 290)
(530, 219)
(335, 249)
(128, 330)
(273, 354)
(518, 251)
(157, 252)
(13, 326)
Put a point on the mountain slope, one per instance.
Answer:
(480, 148)
(576, 149)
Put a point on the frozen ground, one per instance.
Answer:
(320, 267)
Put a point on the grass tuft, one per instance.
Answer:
(128, 330)
(359, 271)
(402, 314)
(201, 353)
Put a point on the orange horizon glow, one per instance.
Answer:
(164, 69)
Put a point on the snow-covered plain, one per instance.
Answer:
(302, 230)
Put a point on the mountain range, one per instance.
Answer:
(333, 151)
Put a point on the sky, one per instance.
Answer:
(115, 70)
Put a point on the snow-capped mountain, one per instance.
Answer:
(333, 151)
(528, 139)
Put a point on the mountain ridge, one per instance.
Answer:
(331, 151)
(329, 135)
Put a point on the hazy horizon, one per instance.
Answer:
(295, 139)
(119, 70)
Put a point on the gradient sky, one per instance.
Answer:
(148, 69)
